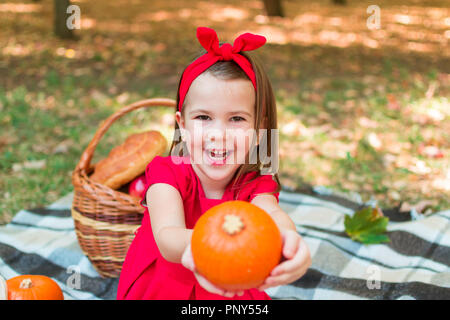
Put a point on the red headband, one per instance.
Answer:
(208, 39)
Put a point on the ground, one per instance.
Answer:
(359, 109)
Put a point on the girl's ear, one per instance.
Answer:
(180, 121)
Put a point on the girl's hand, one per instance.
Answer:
(188, 262)
(297, 261)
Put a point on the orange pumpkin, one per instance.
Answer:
(235, 245)
(33, 287)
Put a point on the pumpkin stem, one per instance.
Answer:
(233, 224)
(26, 283)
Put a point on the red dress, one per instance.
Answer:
(145, 273)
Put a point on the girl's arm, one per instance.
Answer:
(166, 212)
(165, 208)
(269, 203)
(295, 250)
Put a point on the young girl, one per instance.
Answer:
(222, 94)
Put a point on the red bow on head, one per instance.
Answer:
(209, 40)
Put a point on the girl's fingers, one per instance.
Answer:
(301, 259)
(187, 260)
(291, 266)
(292, 269)
(208, 286)
(275, 281)
(286, 277)
(291, 240)
(231, 294)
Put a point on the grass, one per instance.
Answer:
(33, 132)
(371, 171)
(353, 118)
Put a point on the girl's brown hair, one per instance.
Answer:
(265, 112)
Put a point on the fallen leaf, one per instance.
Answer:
(419, 206)
(392, 102)
(8, 139)
(388, 159)
(435, 115)
(294, 128)
(442, 183)
(63, 147)
(431, 90)
(430, 151)
(122, 98)
(367, 123)
(374, 141)
(419, 167)
(394, 195)
(367, 226)
(34, 164)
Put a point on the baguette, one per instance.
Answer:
(129, 160)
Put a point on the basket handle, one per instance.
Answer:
(86, 157)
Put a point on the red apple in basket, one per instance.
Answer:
(137, 187)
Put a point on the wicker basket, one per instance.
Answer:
(106, 219)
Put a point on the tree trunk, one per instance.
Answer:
(274, 8)
(340, 2)
(60, 18)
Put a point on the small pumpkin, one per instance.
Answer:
(235, 245)
(3, 289)
(33, 287)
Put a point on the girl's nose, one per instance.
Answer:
(218, 133)
(215, 135)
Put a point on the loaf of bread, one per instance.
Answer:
(129, 160)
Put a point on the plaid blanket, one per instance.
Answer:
(414, 265)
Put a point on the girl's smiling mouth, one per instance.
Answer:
(217, 157)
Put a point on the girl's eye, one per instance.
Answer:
(237, 118)
(234, 119)
(203, 117)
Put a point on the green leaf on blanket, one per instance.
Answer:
(367, 226)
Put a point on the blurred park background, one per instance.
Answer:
(360, 109)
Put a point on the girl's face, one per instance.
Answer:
(218, 124)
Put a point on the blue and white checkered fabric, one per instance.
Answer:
(414, 265)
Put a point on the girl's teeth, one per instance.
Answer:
(218, 155)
